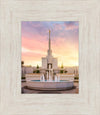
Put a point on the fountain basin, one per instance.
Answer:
(47, 85)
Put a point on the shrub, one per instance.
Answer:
(23, 78)
(65, 71)
(76, 78)
(34, 71)
(37, 71)
(61, 71)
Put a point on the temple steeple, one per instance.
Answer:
(49, 46)
(49, 61)
(49, 41)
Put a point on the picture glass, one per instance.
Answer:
(50, 57)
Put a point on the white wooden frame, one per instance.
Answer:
(87, 102)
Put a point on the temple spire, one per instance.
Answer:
(49, 47)
(49, 41)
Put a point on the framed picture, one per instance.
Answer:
(35, 38)
(41, 71)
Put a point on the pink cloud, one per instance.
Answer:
(34, 44)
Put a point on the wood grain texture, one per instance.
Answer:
(12, 102)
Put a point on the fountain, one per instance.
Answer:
(49, 76)
(48, 83)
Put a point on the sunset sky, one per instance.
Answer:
(64, 41)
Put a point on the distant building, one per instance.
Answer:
(27, 69)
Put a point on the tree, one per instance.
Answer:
(62, 71)
(62, 66)
(22, 63)
(37, 66)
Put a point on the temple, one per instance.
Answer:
(49, 61)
